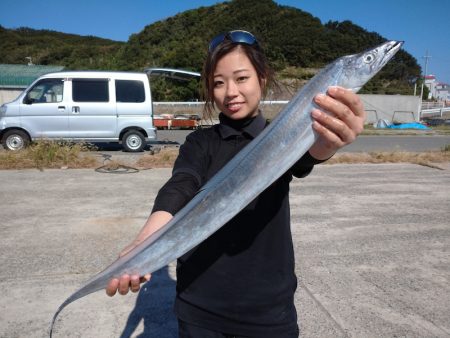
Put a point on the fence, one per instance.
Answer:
(396, 108)
(270, 108)
(434, 109)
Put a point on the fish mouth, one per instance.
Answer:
(390, 49)
(394, 46)
(387, 50)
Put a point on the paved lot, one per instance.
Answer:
(372, 247)
(363, 143)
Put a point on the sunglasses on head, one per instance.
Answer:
(237, 36)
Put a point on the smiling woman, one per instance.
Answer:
(235, 76)
(238, 280)
(237, 91)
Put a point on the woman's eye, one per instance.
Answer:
(242, 78)
(217, 84)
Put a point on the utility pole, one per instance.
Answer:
(426, 57)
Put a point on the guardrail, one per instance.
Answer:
(435, 104)
(435, 111)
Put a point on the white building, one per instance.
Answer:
(438, 90)
(442, 92)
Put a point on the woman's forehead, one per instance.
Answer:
(234, 62)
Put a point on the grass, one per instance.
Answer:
(429, 158)
(47, 155)
(165, 158)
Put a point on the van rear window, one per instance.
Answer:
(90, 90)
(130, 91)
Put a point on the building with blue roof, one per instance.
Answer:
(15, 78)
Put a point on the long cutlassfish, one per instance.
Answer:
(285, 140)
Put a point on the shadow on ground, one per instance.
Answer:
(154, 306)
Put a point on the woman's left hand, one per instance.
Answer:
(342, 123)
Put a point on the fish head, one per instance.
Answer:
(359, 68)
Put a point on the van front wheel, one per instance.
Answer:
(133, 141)
(15, 140)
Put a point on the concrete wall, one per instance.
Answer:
(398, 108)
(8, 95)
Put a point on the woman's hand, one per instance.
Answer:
(340, 125)
(126, 282)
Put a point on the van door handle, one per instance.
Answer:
(75, 110)
(61, 108)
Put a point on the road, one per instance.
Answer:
(414, 143)
(362, 144)
(399, 143)
(372, 246)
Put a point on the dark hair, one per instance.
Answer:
(253, 52)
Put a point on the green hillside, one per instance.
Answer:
(47, 47)
(294, 40)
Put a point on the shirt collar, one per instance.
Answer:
(251, 127)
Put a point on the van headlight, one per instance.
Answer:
(3, 109)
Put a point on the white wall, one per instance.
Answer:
(8, 95)
(398, 108)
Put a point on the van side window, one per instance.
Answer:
(46, 91)
(130, 91)
(90, 90)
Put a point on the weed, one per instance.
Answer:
(163, 159)
(422, 158)
(48, 154)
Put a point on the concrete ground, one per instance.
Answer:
(372, 249)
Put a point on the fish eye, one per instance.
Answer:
(369, 58)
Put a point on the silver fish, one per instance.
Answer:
(287, 138)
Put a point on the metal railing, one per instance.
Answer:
(435, 112)
(403, 112)
(435, 104)
(428, 108)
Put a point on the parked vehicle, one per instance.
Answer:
(180, 121)
(91, 106)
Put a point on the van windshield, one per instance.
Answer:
(46, 91)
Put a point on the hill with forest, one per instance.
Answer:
(296, 43)
(46, 47)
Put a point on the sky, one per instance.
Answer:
(424, 25)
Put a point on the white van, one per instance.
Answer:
(91, 106)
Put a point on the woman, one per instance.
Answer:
(240, 282)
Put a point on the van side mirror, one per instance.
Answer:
(28, 100)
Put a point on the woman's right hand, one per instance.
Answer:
(126, 282)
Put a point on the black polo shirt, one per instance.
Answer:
(241, 279)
